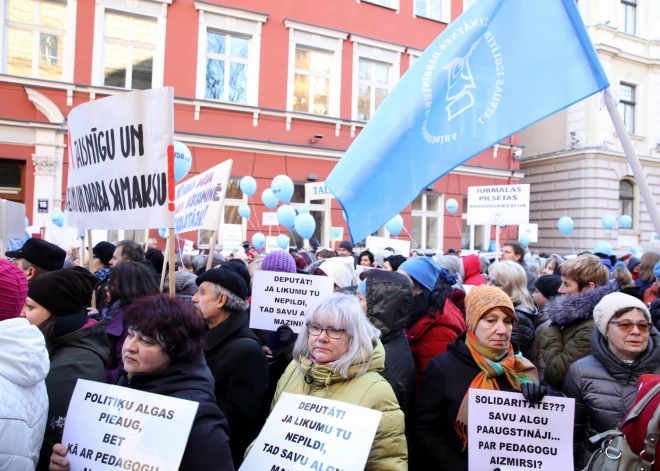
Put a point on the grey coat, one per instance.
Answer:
(604, 388)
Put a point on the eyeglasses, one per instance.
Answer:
(331, 332)
(627, 326)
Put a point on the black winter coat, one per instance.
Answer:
(389, 303)
(208, 443)
(524, 331)
(654, 309)
(604, 388)
(239, 366)
(445, 382)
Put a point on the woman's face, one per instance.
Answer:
(364, 261)
(323, 347)
(636, 269)
(493, 281)
(34, 312)
(387, 266)
(143, 354)
(494, 330)
(627, 341)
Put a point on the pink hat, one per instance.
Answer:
(13, 290)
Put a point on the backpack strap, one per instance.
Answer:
(647, 456)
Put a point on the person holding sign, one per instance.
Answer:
(339, 356)
(163, 354)
(482, 358)
(624, 346)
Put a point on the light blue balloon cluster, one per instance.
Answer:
(286, 216)
(259, 241)
(608, 221)
(282, 187)
(565, 225)
(268, 198)
(248, 185)
(305, 225)
(244, 211)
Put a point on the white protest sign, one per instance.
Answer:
(336, 233)
(199, 201)
(188, 246)
(530, 230)
(118, 161)
(232, 236)
(269, 219)
(317, 191)
(505, 431)
(306, 432)
(271, 244)
(498, 205)
(376, 244)
(283, 298)
(12, 219)
(110, 427)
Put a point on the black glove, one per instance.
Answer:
(285, 335)
(534, 393)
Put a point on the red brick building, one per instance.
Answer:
(256, 81)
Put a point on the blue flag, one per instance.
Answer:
(500, 67)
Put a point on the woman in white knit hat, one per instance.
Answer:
(624, 346)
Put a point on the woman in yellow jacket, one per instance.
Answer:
(339, 356)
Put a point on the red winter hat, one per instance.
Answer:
(13, 290)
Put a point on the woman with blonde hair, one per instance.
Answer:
(510, 277)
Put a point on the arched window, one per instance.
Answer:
(627, 198)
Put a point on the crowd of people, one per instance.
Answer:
(407, 336)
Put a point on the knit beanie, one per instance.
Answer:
(104, 251)
(346, 244)
(482, 299)
(610, 304)
(656, 270)
(340, 269)
(280, 261)
(450, 263)
(156, 258)
(548, 285)
(421, 269)
(13, 290)
(63, 292)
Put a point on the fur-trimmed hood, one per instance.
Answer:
(569, 309)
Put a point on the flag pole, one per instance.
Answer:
(633, 160)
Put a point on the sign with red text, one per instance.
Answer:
(110, 427)
(312, 433)
(498, 205)
(508, 432)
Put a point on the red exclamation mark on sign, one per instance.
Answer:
(170, 177)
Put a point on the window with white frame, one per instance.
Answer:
(629, 15)
(426, 221)
(376, 69)
(413, 55)
(34, 39)
(438, 10)
(627, 106)
(228, 54)
(473, 237)
(314, 81)
(393, 4)
(129, 44)
(627, 198)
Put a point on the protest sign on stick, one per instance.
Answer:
(167, 255)
(283, 298)
(508, 432)
(12, 223)
(170, 265)
(306, 432)
(110, 427)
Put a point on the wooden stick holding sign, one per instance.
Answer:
(90, 248)
(171, 262)
(167, 256)
(209, 259)
(497, 243)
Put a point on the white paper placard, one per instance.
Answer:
(232, 236)
(269, 219)
(359, 269)
(283, 298)
(376, 244)
(306, 432)
(12, 219)
(199, 201)
(505, 431)
(317, 191)
(337, 233)
(271, 244)
(498, 205)
(188, 246)
(118, 161)
(97, 438)
(531, 230)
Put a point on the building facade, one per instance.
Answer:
(279, 87)
(574, 160)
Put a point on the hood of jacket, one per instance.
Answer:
(23, 356)
(92, 338)
(389, 302)
(325, 375)
(471, 266)
(176, 378)
(569, 309)
(450, 317)
(646, 362)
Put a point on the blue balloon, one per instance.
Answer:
(268, 198)
(608, 221)
(305, 225)
(27, 221)
(451, 205)
(259, 241)
(603, 247)
(565, 225)
(57, 217)
(625, 221)
(524, 239)
(303, 208)
(162, 233)
(286, 216)
(283, 241)
(395, 226)
(244, 211)
(182, 161)
(248, 186)
(343, 213)
(282, 187)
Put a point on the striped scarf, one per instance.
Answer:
(515, 368)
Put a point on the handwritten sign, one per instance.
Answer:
(498, 205)
(109, 427)
(269, 219)
(336, 233)
(311, 433)
(199, 201)
(118, 164)
(232, 236)
(505, 431)
(283, 298)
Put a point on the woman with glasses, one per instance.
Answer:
(339, 356)
(624, 346)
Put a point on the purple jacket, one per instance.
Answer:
(116, 337)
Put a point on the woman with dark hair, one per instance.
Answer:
(366, 259)
(163, 354)
(128, 282)
(393, 262)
